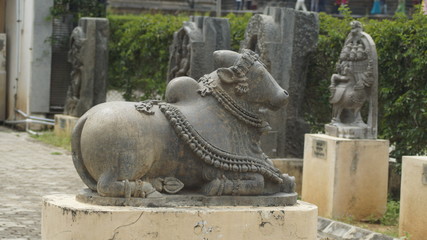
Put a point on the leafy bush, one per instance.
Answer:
(402, 50)
(139, 53)
(139, 50)
(402, 58)
(391, 216)
(78, 8)
(238, 25)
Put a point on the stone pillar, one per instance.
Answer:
(413, 198)
(2, 77)
(2, 15)
(88, 56)
(345, 177)
(193, 46)
(65, 218)
(284, 39)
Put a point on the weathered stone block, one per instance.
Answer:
(64, 218)
(284, 39)
(413, 197)
(193, 46)
(2, 76)
(88, 56)
(345, 177)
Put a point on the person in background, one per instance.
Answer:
(239, 5)
(248, 4)
(300, 5)
(376, 7)
(314, 7)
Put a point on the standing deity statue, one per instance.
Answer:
(77, 40)
(355, 83)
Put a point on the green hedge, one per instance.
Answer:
(402, 58)
(139, 50)
(139, 56)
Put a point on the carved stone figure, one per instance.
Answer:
(355, 82)
(203, 139)
(285, 39)
(193, 45)
(77, 40)
(88, 56)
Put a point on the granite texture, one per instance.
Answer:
(285, 39)
(88, 56)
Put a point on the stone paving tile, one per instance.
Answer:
(28, 171)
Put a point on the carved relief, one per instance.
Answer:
(355, 83)
(77, 40)
(88, 56)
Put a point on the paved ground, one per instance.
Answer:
(28, 171)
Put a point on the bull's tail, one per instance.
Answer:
(77, 154)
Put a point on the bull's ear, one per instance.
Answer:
(226, 75)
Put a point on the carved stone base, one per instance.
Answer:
(413, 196)
(346, 177)
(65, 218)
(189, 200)
(361, 131)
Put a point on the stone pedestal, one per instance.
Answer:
(64, 125)
(413, 198)
(65, 218)
(345, 177)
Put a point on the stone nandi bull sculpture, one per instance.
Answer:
(204, 138)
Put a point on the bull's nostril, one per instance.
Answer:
(286, 93)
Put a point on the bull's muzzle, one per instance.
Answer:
(280, 100)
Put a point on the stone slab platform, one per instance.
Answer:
(194, 200)
(346, 177)
(413, 198)
(65, 218)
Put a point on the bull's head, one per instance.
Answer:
(245, 77)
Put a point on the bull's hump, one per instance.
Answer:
(182, 89)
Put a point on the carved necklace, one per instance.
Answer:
(208, 87)
(212, 155)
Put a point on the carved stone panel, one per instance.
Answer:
(284, 39)
(88, 56)
(193, 45)
(2, 76)
(355, 83)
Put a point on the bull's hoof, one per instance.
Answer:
(288, 185)
(145, 190)
(154, 194)
(213, 188)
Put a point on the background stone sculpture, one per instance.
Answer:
(203, 139)
(355, 82)
(193, 45)
(88, 56)
(284, 39)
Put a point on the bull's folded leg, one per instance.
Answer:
(109, 186)
(244, 184)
